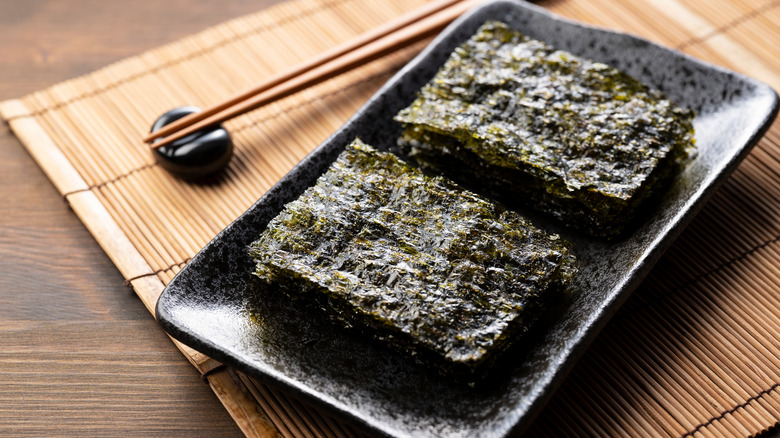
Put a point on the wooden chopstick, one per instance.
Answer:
(409, 28)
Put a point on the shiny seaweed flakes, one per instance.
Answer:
(585, 141)
(429, 266)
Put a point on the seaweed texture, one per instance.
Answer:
(434, 269)
(578, 139)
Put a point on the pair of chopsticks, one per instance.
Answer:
(407, 29)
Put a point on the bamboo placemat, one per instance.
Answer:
(695, 351)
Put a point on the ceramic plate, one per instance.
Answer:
(217, 307)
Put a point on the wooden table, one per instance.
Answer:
(76, 346)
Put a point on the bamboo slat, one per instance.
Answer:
(694, 352)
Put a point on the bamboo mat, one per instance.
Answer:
(694, 352)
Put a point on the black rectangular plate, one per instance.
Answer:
(217, 307)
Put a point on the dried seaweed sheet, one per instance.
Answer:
(576, 138)
(425, 264)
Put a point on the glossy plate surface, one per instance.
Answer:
(216, 306)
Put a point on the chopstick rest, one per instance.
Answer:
(196, 156)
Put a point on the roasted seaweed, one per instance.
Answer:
(434, 269)
(578, 139)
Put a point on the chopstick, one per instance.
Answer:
(408, 29)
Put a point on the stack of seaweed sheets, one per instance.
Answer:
(430, 267)
(581, 141)
(443, 272)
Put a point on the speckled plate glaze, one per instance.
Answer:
(217, 307)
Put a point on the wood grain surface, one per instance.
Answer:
(79, 353)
